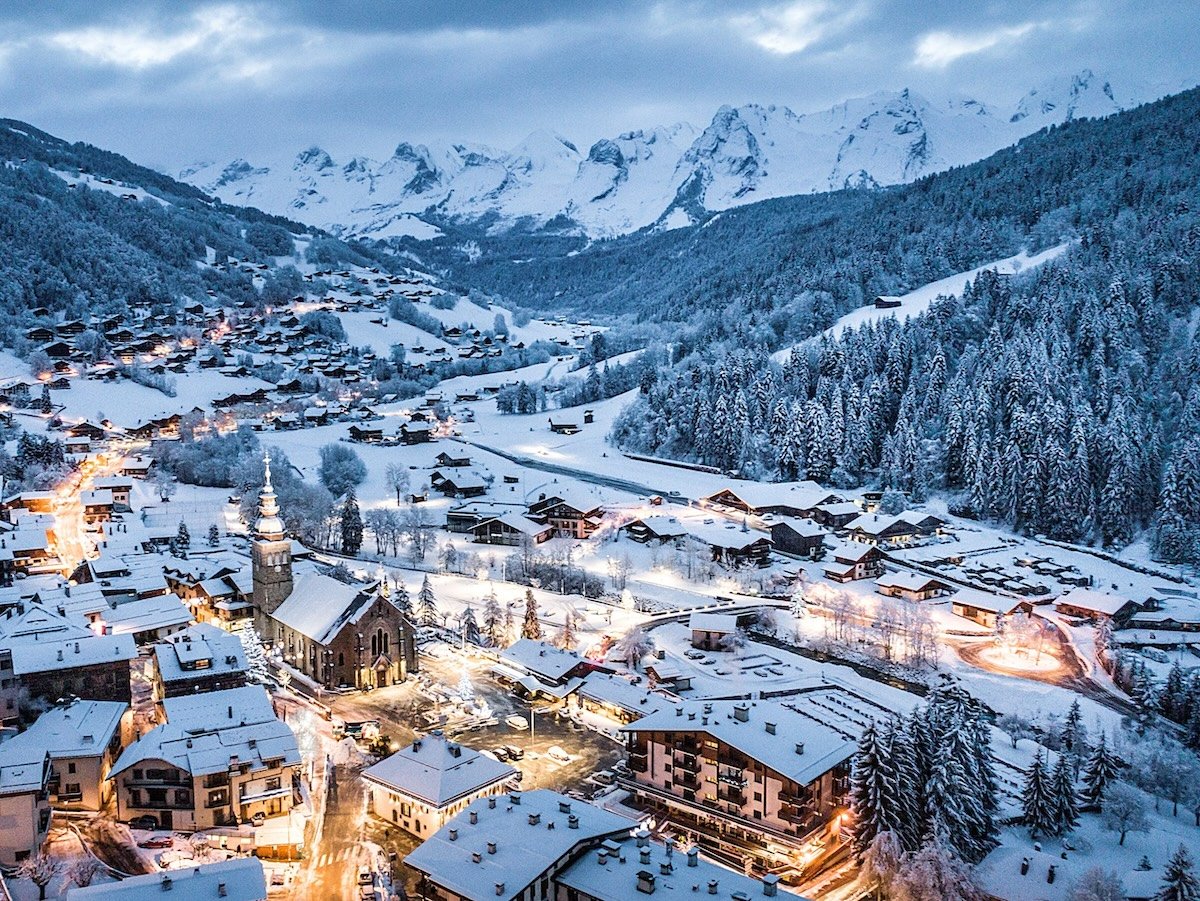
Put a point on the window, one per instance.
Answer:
(71, 767)
(72, 788)
(374, 645)
(341, 659)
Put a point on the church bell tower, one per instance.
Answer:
(271, 553)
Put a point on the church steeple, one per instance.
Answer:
(271, 556)
(269, 526)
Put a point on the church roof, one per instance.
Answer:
(320, 606)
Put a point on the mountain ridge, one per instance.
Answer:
(662, 176)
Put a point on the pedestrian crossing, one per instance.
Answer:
(330, 858)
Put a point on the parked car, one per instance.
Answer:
(693, 655)
(258, 819)
(558, 755)
(145, 821)
(622, 770)
(514, 752)
(157, 842)
(604, 777)
(500, 752)
(516, 721)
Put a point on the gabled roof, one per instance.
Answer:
(320, 606)
(78, 729)
(236, 879)
(437, 771)
(541, 658)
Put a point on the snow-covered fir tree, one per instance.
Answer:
(493, 620)
(427, 611)
(470, 628)
(1098, 773)
(1179, 879)
(531, 626)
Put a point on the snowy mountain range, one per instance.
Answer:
(665, 176)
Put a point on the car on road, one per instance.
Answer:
(157, 842)
(500, 752)
(514, 752)
(558, 755)
(145, 821)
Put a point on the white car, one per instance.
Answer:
(517, 721)
(558, 755)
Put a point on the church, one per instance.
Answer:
(336, 634)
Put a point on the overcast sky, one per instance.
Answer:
(168, 83)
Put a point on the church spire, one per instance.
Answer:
(269, 526)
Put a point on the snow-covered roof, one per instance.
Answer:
(518, 523)
(723, 534)
(663, 525)
(437, 771)
(147, 614)
(214, 650)
(47, 656)
(540, 658)
(22, 768)
(713, 622)
(771, 733)
(236, 879)
(609, 688)
(202, 737)
(515, 839)
(999, 875)
(1098, 602)
(320, 606)
(78, 729)
(906, 580)
(799, 495)
(801, 526)
(612, 873)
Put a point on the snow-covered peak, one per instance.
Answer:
(662, 176)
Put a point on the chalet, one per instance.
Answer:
(589, 417)
(366, 435)
(199, 658)
(1085, 603)
(984, 607)
(730, 544)
(571, 517)
(97, 505)
(618, 698)
(459, 483)
(563, 428)
(709, 630)
(902, 528)
(801, 537)
(40, 334)
(56, 350)
(660, 529)
(465, 517)
(316, 416)
(799, 500)
(422, 786)
(836, 514)
(886, 302)
(762, 772)
(235, 879)
(89, 430)
(855, 561)
(537, 667)
(911, 586)
(415, 432)
(446, 460)
(136, 466)
(511, 529)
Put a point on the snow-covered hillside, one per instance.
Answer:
(664, 176)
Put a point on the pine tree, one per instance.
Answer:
(47, 407)
(531, 627)
(1098, 772)
(1037, 802)
(214, 535)
(401, 601)
(256, 655)
(182, 540)
(1179, 880)
(870, 795)
(566, 637)
(427, 611)
(1073, 737)
(470, 628)
(493, 623)
(508, 626)
(1066, 798)
(351, 525)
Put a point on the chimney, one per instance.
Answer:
(799, 747)
(166, 883)
(76, 647)
(221, 890)
(693, 856)
(491, 847)
(645, 882)
(514, 797)
(453, 835)
(770, 884)
(712, 886)
(741, 713)
(1050, 874)
(572, 822)
(499, 888)
(473, 816)
(534, 819)
(60, 653)
(644, 856)
(643, 837)
(416, 745)
(564, 806)
(492, 803)
(602, 857)
(770, 727)
(1024, 866)
(678, 710)
(230, 711)
(476, 857)
(664, 867)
